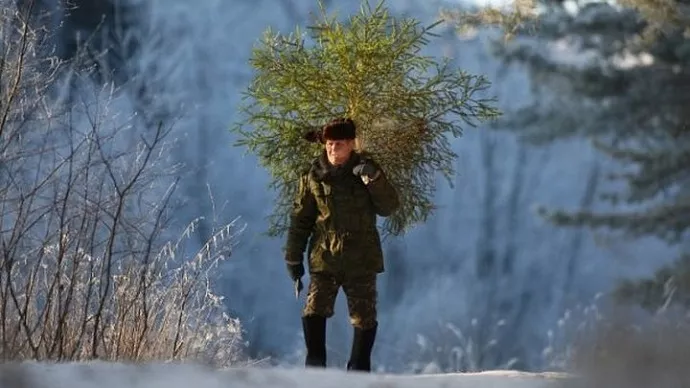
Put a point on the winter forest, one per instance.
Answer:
(134, 229)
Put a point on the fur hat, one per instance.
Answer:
(336, 129)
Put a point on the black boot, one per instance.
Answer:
(362, 344)
(314, 328)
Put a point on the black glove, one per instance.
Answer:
(366, 168)
(296, 271)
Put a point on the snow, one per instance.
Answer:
(437, 312)
(629, 61)
(114, 375)
(431, 282)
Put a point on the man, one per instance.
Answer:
(335, 210)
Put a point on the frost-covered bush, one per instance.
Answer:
(88, 266)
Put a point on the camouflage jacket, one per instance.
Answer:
(335, 212)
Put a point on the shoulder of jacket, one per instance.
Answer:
(368, 158)
(304, 172)
(308, 175)
(366, 155)
(307, 169)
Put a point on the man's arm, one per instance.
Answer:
(302, 219)
(383, 194)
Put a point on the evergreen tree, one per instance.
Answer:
(629, 93)
(371, 69)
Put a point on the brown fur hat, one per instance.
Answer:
(336, 129)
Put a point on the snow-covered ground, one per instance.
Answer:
(483, 284)
(110, 375)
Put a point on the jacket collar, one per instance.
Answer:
(323, 170)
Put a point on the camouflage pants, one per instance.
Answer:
(360, 292)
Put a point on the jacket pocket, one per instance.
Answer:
(324, 199)
(320, 259)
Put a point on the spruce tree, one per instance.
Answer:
(369, 68)
(630, 99)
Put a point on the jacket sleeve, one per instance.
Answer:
(302, 219)
(383, 195)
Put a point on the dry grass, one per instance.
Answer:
(86, 193)
(629, 350)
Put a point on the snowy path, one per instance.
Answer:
(107, 375)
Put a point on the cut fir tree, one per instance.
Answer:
(369, 69)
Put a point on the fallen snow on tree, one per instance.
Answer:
(111, 375)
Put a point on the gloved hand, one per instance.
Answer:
(296, 271)
(365, 168)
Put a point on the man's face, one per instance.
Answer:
(338, 151)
